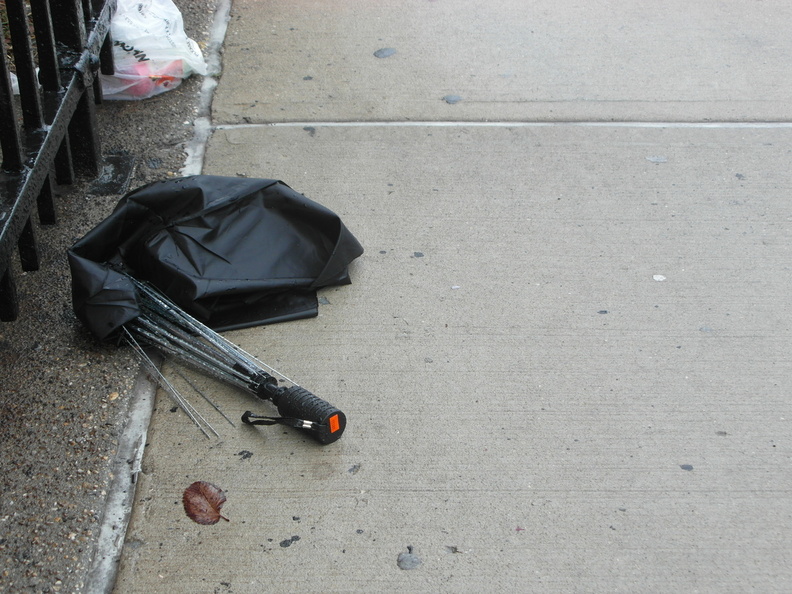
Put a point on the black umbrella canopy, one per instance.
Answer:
(233, 252)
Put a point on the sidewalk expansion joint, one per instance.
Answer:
(513, 124)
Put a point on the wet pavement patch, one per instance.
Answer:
(408, 560)
(115, 174)
(385, 52)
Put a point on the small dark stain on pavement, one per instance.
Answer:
(418, 255)
(289, 541)
(385, 52)
(452, 99)
(408, 560)
(354, 469)
(602, 311)
(307, 77)
(686, 466)
(133, 543)
(721, 433)
(324, 301)
(245, 455)
(311, 130)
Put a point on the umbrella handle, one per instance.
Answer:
(297, 402)
(304, 410)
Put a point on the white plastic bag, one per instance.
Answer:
(151, 51)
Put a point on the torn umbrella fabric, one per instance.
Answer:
(232, 252)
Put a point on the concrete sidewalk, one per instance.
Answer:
(565, 353)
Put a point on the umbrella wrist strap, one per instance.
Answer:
(250, 418)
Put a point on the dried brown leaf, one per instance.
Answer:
(203, 501)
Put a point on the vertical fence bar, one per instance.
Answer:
(9, 131)
(84, 140)
(9, 302)
(50, 79)
(28, 250)
(12, 161)
(83, 127)
(25, 65)
(49, 73)
(106, 56)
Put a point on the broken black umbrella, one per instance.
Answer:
(180, 259)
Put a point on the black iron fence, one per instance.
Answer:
(48, 134)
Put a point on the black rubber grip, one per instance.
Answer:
(299, 403)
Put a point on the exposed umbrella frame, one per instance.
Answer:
(175, 333)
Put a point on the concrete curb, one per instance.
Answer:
(196, 148)
(118, 509)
